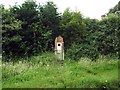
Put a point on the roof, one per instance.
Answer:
(59, 39)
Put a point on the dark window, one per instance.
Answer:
(58, 44)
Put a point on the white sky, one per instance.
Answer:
(89, 8)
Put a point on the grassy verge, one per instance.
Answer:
(45, 72)
(0, 71)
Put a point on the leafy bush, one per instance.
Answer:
(28, 29)
(76, 51)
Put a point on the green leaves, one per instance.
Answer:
(29, 29)
(72, 27)
(110, 38)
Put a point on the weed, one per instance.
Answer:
(45, 72)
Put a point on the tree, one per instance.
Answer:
(72, 27)
(92, 25)
(109, 40)
(115, 8)
(10, 35)
(50, 24)
(31, 26)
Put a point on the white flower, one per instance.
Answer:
(20, 62)
(105, 80)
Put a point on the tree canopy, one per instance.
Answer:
(30, 29)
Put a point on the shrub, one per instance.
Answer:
(76, 51)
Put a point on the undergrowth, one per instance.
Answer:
(45, 72)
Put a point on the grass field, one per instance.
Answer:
(0, 71)
(45, 72)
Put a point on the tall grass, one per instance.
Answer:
(0, 71)
(45, 72)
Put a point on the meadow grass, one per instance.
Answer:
(0, 71)
(45, 72)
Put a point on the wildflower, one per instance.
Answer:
(20, 62)
(105, 80)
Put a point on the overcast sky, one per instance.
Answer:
(89, 8)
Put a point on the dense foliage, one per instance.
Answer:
(29, 29)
